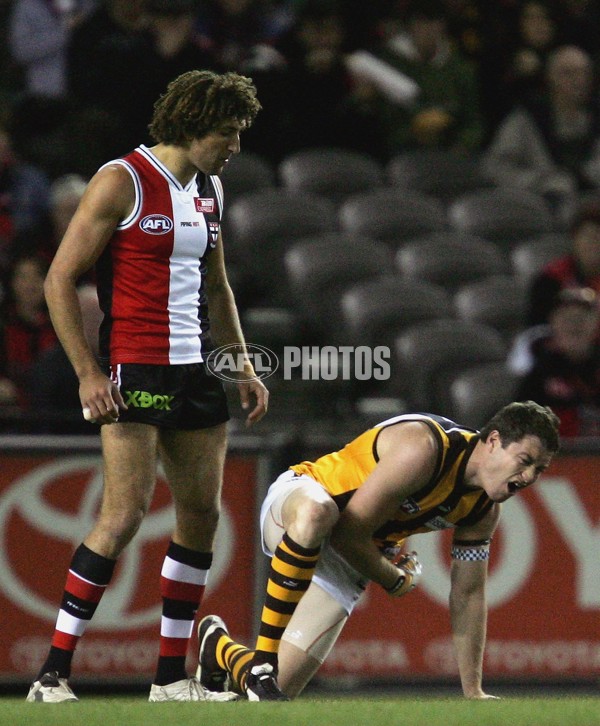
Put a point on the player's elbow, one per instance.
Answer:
(57, 278)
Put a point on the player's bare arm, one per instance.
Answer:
(468, 605)
(108, 199)
(226, 330)
(407, 454)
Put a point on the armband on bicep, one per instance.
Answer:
(471, 551)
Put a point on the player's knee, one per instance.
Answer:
(199, 514)
(123, 525)
(314, 520)
(120, 528)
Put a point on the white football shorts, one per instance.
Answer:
(333, 574)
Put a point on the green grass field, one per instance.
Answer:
(345, 711)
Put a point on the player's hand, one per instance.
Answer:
(409, 574)
(101, 400)
(254, 387)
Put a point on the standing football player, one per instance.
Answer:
(332, 525)
(150, 222)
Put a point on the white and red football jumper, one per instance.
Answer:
(151, 275)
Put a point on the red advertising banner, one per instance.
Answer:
(543, 591)
(543, 594)
(47, 505)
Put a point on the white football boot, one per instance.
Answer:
(188, 689)
(51, 689)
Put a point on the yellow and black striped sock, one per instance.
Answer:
(235, 658)
(292, 568)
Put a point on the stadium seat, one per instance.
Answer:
(375, 311)
(445, 175)
(299, 407)
(429, 355)
(320, 268)
(330, 172)
(260, 226)
(499, 301)
(392, 215)
(371, 410)
(246, 172)
(475, 395)
(273, 327)
(450, 259)
(529, 257)
(502, 215)
(259, 218)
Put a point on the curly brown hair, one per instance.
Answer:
(199, 102)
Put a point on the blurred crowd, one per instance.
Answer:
(513, 83)
(78, 78)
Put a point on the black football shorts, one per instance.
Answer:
(173, 397)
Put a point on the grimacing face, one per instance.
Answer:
(508, 469)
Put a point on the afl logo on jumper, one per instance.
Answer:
(156, 224)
